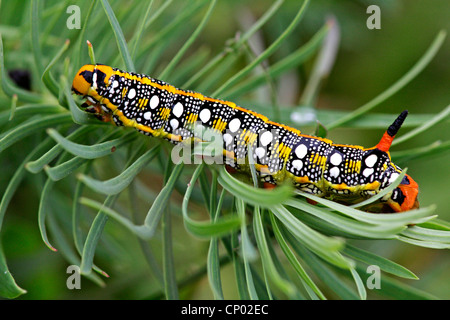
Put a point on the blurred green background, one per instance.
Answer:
(368, 62)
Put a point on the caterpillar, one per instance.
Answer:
(343, 173)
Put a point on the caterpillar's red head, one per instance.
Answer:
(404, 197)
(91, 76)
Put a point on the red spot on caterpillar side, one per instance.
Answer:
(230, 169)
(268, 185)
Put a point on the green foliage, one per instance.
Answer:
(199, 217)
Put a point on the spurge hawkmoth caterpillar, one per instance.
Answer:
(344, 173)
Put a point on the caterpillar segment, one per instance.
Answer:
(343, 173)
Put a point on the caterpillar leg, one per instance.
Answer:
(311, 201)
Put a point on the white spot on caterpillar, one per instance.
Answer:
(393, 177)
(92, 100)
(147, 115)
(334, 172)
(227, 138)
(115, 84)
(367, 172)
(174, 123)
(260, 152)
(266, 138)
(177, 109)
(301, 151)
(297, 164)
(131, 93)
(234, 125)
(154, 102)
(205, 115)
(371, 160)
(94, 80)
(336, 159)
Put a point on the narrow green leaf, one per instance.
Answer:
(426, 234)
(119, 183)
(18, 176)
(347, 225)
(170, 281)
(436, 224)
(47, 78)
(35, 43)
(326, 247)
(205, 189)
(120, 39)
(287, 287)
(399, 291)
(13, 106)
(8, 286)
(43, 211)
(31, 127)
(158, 206)
(177, 24)
(213, 263)
(77, 234)
(203, 229)
(433, 149)
(213, 267)
(173, 62)
(249, 194)
(248, 252)
(323, 271)
(405, 218)
(293, 260)
(91, 52)
(399, 84)
(38, 164)
(92, 151)
(239, 270)
(141, 231)
(218, 59)
(28, 111)
(267, 53)
(424, 243)
(137, 35)
(323, 64)
(441, 116)
(81, 34)
(65, 249)
(359, 284)
(9, 88)
(384, 264)
(95, 232)
(64, 169)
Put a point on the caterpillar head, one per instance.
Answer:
(404, 197)
(87, 82)
(90, 77)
